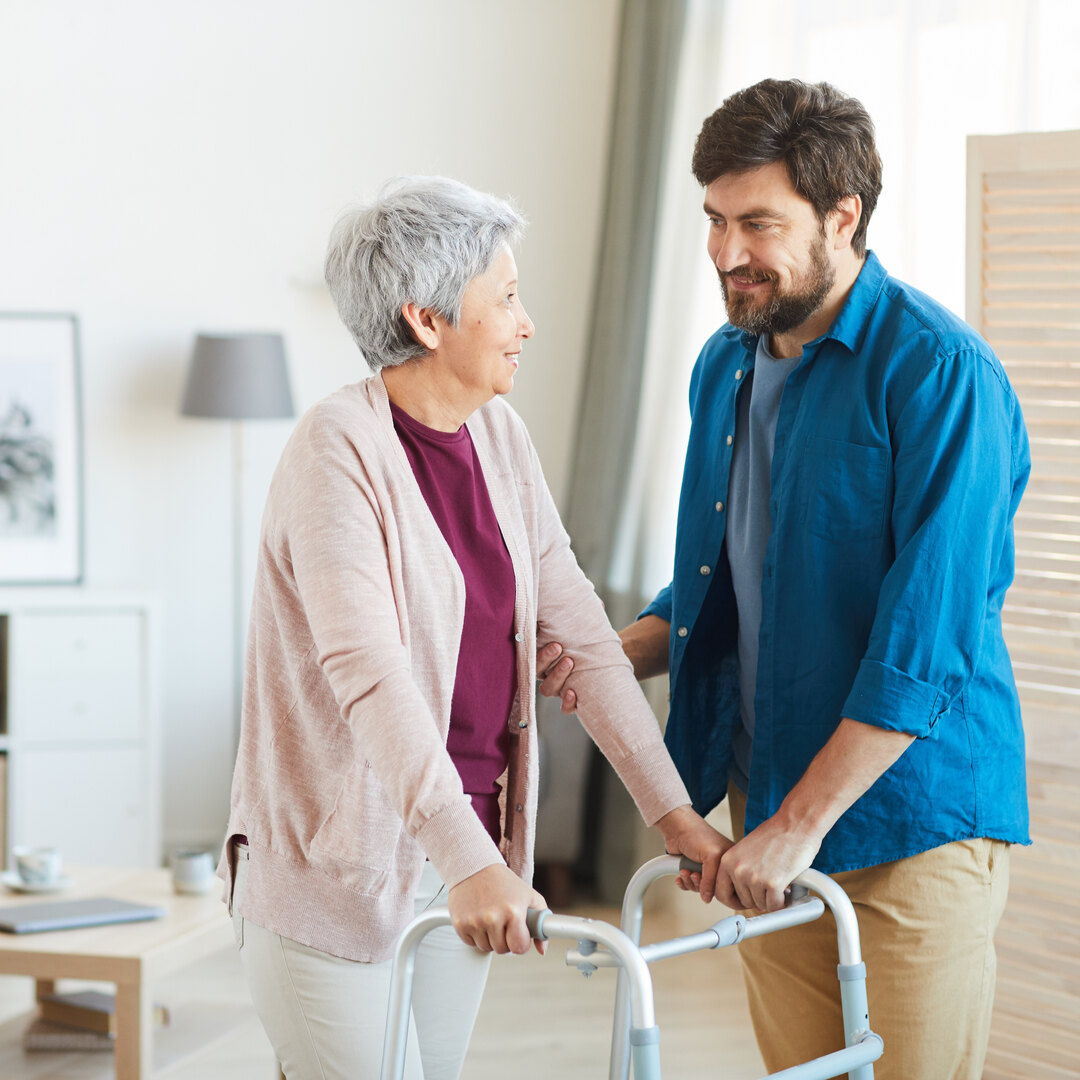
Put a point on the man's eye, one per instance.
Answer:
(757, 226)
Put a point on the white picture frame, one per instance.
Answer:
(41, 497)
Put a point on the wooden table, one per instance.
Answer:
(131, 955)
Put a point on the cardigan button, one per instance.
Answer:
(730, 439)
(738, 374)
(682, 631)
(706, 571)
(719, 507)
(519, 637)
(523, 723)
(519, 808)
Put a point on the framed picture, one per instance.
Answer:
(40, 450)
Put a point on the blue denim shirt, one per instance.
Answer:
(899, 461)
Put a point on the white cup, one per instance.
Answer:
(192, 871)
(38, 865)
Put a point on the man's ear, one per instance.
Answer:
(423, 325)
(845, 220)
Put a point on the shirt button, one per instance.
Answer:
(719, 507)
(523, 723)
(519, 637)
(682, 631)
(738, 375)
(730, 439)
(706, 570)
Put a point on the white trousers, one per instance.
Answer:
(326, 1016)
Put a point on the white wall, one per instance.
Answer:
(169, 168)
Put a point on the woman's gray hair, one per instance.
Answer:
(422, 240)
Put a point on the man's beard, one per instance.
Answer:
(781, 311)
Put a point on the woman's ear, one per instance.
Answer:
(423, 324)
(846, 219)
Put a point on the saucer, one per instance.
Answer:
(16, 884)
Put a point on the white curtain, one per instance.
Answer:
(930, 74)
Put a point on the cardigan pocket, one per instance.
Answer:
(359, 842)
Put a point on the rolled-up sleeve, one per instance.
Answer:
(960, 463)
(660, 605)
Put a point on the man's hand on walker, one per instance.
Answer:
(552, 668)
(488, 910)
(756, 872)
(687, 833)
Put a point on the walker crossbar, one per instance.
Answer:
(643, 1036)
(729, 931)
(862, 1046)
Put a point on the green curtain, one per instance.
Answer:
(650, 45)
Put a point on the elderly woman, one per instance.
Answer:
(411, 562)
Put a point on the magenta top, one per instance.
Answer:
(448, 471)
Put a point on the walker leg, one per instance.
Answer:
(645, 1050)
(620, 1034)
(856, 1012)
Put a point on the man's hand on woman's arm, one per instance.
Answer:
(645, 643)
(552, 669)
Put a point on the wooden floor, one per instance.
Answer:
(540, 1019)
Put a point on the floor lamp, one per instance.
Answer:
(238, 377)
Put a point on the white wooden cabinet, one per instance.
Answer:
(79, 729)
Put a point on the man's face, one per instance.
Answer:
(769, 248)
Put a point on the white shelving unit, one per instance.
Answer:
(80, 728)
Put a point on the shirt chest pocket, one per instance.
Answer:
(844, 488)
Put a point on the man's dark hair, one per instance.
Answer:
(825, 139)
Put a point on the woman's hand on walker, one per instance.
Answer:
(488, 910)
(687, 833)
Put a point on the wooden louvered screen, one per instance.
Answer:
(1024, 296)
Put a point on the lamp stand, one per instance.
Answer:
(237, 574)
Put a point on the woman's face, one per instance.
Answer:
(482, 352)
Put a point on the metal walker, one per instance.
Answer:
(636, 1036)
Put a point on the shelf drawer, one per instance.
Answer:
(76, 676)
(92, 804)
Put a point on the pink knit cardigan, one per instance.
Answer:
(343, 783)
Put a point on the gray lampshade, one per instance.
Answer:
(238, 377)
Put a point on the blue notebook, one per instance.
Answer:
(71, 914)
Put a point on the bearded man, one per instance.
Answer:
(832, 631)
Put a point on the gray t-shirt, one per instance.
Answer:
(749, 525)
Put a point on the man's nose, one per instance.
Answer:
(729, 251)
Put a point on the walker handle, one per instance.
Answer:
(795, 891)
(534, 920)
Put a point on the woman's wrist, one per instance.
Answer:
(675, 822)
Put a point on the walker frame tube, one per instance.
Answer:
(862, 1046)
(643, 1036)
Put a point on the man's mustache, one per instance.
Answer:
(745, 273)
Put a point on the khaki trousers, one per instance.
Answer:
(927, 927)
